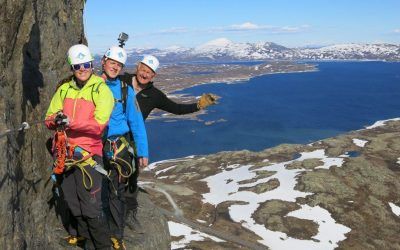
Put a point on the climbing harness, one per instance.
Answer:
(119, 146)
(68, 156)
(81, 158)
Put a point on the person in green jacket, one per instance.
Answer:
(80, 110)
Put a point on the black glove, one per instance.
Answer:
(61, 119)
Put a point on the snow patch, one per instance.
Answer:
(329, 232)
(329, 162)
(359, 142)
(224, 186)
(381, 123)
(154, 165)
(189, 234)
(395, 209)
(218, 42)
(164, 170)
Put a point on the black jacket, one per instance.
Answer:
(151, 98)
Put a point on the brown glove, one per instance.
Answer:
(206, 100)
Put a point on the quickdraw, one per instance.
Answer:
(60, 146)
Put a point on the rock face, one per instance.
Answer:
(34, 38)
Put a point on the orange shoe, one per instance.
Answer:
(118, 244)
(74, 240)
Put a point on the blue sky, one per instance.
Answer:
(191, 23)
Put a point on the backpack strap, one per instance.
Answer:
(95, 89)
(124, 94)
(66, 92)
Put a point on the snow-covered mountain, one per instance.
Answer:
(354, 51)
(223, 49)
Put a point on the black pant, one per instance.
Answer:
(122, 193)
(87, 205)
(132, 192)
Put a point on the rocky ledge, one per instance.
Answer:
(338, 192)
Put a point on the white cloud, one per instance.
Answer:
(246, 26)
(164, 32)
(172, 30)
(290, 29)
(396, 31)
(237, 28)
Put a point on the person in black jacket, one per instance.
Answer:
(150, 97)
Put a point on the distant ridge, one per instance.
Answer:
(223, 49)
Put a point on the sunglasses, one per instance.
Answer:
(86, 65)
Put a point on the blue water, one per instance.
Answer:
(283, 108)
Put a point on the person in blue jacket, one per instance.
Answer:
(126, 122)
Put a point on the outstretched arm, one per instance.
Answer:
(170, 106)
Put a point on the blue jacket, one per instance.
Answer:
(121, 123)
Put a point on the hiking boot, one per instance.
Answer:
(118, 243)
(132, 222)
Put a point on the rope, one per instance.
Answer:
(115, 161)
(119, 167)
(71, 163)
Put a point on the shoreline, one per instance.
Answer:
(176, 78)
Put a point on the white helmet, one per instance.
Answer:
(116, 53)
(151, 61)
(78, 54)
